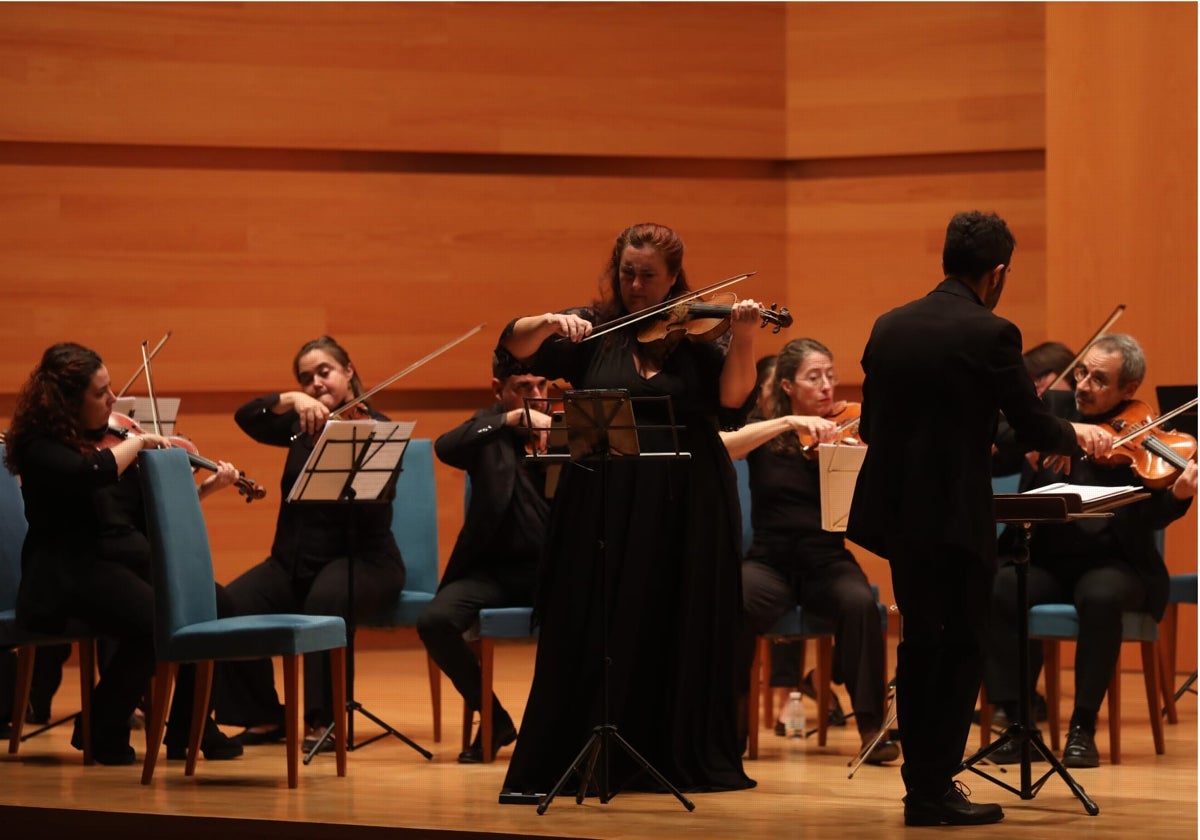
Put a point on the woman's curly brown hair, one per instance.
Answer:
(49, 402)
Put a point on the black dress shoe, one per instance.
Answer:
(502, 736)
(1010, 753)
(250, 738)
(1080, 750)
(215, 745)
(112, 752)
(328, 745)
(781, 729)
(951, 808)
(882, 752)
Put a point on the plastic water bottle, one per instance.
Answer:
(793, 716)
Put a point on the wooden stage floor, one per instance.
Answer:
(803, 790)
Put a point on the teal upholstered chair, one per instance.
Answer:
(186, 627)
(792, 626)
(12, 537)
(414, 524)
(1183, 591)
(1055, 623)
(495, 624)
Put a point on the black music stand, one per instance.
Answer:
(600, 426)
(354, 462)
(1025, 510)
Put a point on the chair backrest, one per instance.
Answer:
(742, 467)
(414, 517)
(1005, 484)
(184, 592)
(12, 535)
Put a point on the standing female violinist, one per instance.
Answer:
(1105, 567)
(671, 593)
(307, 570)
(792, 560)
(86, 556)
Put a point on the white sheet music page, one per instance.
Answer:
(839, 467)
(370, 449)
(1087, 493)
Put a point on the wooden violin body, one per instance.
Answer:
(703, 320)
(1157, 455)
(846, 416)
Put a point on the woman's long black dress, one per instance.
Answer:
(668, 587)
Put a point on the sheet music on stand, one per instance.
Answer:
(839, 466)
(352, 459)
(139, 409)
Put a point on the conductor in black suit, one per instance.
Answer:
(938, 371)
(495, 560)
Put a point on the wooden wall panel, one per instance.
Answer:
(913, 78)
(691, 79)
(244, 266)
(1121, 195)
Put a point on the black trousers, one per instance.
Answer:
(837, 591)
(245, 695)
(455, 608)
(1100, 591)
(943, 596)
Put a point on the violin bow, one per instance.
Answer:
(145, 359)
(1157, 421)
(1112, 319)
(333, 415)
(150, 387)
(651, 311)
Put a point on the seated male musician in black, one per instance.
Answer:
(495, 560)
(1103, 566)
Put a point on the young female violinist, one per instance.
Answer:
(671, 535)
(86, 555)
(307, 569)
(792, 560)
(1105, 567)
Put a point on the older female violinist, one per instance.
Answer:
(86, 555)
(671, 536)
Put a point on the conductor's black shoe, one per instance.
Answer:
(1010, 753)
(1080, 750)
(951, 808)
(502, 736)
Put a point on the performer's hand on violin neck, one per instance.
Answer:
(312, 412)
(1185, 486)
(225, 475)
(745, 317)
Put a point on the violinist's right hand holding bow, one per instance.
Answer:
(312, 412)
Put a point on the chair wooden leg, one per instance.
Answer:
(1167, 640)
(1050, 668)
(291, 715)
(25, 656)
(824, 686)
(985, 718)
(765, 707)
(435, 696)
(752, 698)
(337, 662)
(1114, 715)
(1150, 656)
(203, 689)
(164, 681)
(87, 684)
(487, 652)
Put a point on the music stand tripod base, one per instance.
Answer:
(1024, 510)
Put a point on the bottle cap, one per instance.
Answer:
(795, 695)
